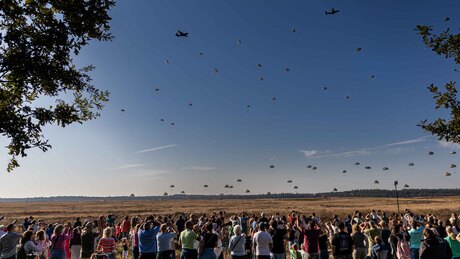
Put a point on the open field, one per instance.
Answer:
(60, 211)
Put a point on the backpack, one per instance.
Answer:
(444, 250)
(344, 243)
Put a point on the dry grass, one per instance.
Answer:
(61, 211)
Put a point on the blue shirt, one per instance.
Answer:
(416, 236)
(148, 240)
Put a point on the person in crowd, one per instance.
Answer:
(262, 241)
(187, 240)
(107, 243)
(28, 244)
(380, 250)
(311, 235)
(278, 233)
(165, 241)
(371, 232)
(147, 235)
(416, 236)
(429, 247)
(43, 243)
(125, 246)
(135, 238)
(342, 243)
(75, 243)
(209, 242)
(58, 241)
(295, 253)
(454, 242)
(9, 242)
(88, 238)
(236, 244)
(359, 239)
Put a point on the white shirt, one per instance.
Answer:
(262, 240)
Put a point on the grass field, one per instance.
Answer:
(61, 211)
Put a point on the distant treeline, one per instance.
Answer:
(405, 193)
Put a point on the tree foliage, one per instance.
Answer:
(447, 45)
(38, 40)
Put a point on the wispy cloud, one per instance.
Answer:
(127, 166)
(198, 168)
(406, 142)
(450, 145)
(365, 151)
(309, 153)
(155, 148)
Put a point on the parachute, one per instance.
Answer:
(453, 165)
(248, 191)
(357, 163)
(368, 167)
(309, 166)
(376, 182)
(289, 181)
(430, 153)
(344, 171)
(385, 168)
(334, 190)
(296, 187)
(406, 186)
(411, 164)
(239, 180)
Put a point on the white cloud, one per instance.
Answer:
(155, 148)
(127, 166)
(198, 168)
(405, 142)
(450, 145)
(309, 153)
(397, 151)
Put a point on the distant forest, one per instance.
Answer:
(404, 193)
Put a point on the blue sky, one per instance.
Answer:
(218, 140)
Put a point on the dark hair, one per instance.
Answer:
(27, 236)
(10, 227)
(341, 226)
(189, 224)
(209, 227)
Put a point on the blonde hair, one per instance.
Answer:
(237, 230)
(450, 232)
(108, 232)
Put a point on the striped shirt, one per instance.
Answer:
(106, 245)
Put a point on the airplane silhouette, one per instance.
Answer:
(333, 11)
(181, 34)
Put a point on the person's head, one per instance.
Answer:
(356, 228)
(341, 227)
(209, 227)
(378, 240)
(237, 230)
(10, 227)
(40, 235)
(107, 232)
(189, 224)
(384, 225)
(163, 228)
(27, 236)
(414, 224)
(428, 233)
(262, 226)
(59, 229)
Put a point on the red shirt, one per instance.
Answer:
(311, 238)
(125, 226)
(106, 245)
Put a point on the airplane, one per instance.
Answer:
(181, 34)
(333, 11)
